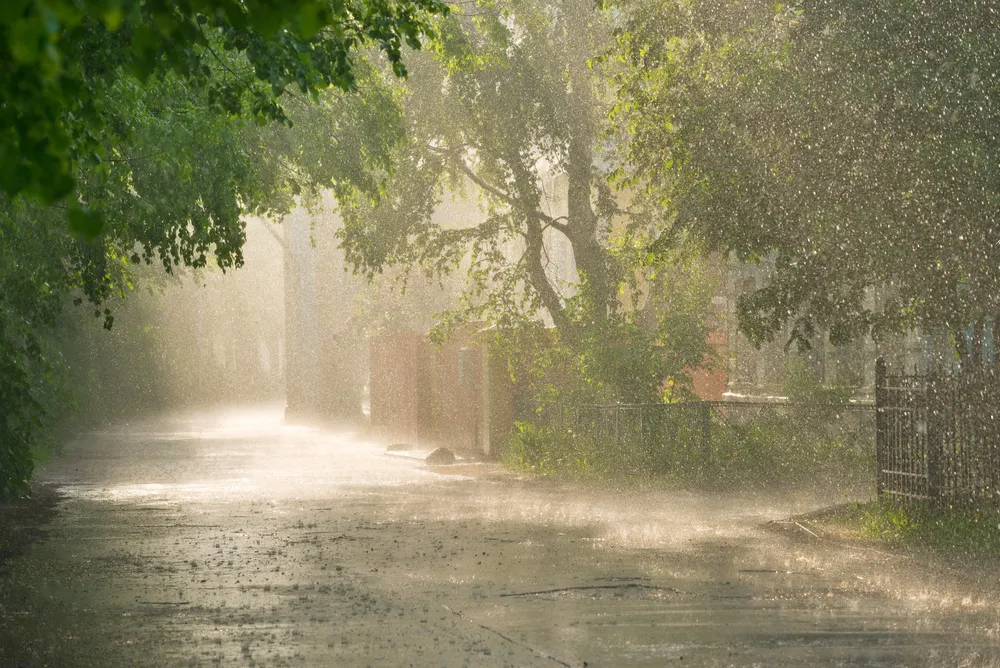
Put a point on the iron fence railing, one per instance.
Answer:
(938, 436)
(716, 436)
(933, 437)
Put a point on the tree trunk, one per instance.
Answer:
(533, 254)
(583, 228)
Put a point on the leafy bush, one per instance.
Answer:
(802, 386)
(729, 446)
(546, 450)
(795, 444)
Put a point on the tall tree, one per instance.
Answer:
(507, 111)
(506, 101)
(852, 144)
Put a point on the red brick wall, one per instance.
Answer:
(711, 384)
(399, 386)
(433, 395)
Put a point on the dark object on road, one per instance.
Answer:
(399, 447)
(441, 456)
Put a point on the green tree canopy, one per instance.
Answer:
(508, 113)
(60, 57)
(851, 144)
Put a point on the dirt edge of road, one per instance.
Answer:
(971, 575)
(23, 521)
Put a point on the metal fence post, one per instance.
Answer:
(880, 426)
(932, 438)
(642, 429)
(706, 434)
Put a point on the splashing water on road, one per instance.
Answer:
(230, 538)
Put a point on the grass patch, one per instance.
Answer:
(952, 532)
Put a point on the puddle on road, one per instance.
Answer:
(161, 493)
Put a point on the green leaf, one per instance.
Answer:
(86, 223)
(26, 40)
(312, 17)
(113, 18)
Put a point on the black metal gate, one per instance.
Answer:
(901, 434)
(938, 436)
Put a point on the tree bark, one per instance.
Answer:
(583, 229)
(534, 252)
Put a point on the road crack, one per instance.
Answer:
(506, 637)
(563, 590)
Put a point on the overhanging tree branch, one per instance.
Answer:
(277, 237)
(512, 201)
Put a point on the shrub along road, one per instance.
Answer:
(230, 540)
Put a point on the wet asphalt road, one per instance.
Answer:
(228, 539)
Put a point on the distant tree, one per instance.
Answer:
(852, 144)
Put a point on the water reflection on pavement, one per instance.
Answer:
(229, 539)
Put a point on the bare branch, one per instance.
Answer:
(277, 237)
(554, 223)
(496, 192)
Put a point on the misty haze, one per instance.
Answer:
(499, 333)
